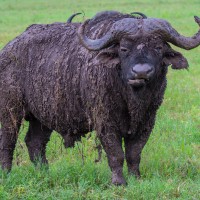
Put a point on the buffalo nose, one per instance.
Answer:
(142, 70)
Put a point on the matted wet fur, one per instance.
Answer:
(49, 78)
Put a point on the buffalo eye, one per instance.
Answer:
(124, 49)
(159, 49)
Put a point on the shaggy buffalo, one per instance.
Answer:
(107, 74)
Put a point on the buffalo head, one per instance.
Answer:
(140, 47)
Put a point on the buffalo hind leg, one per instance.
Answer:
(8, 138)
(36, 140)
(112, 144)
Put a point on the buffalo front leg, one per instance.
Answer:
(112, 144)
(135, 144)
(36, 140)
(133, 149)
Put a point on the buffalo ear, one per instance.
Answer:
(175, 59)
(108, 57)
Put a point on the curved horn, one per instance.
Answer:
(130, 26)
(171, 35)
(139, 13)
(71, 17)
(116, 32)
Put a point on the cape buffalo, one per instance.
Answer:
(107, 74)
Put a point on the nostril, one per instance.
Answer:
(144, 69)
(134, 70)
(149, 70)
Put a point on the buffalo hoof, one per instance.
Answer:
(135, 173)
(6, 169)
(118, 180)
(5, 163)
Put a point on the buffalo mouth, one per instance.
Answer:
(137, 82)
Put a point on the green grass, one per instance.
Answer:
(170, 165)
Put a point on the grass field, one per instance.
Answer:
(170, 165)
